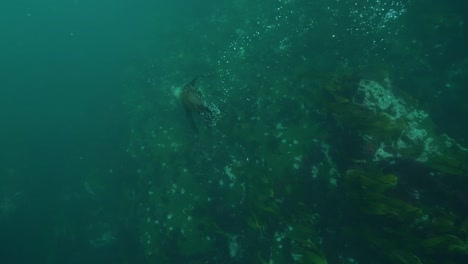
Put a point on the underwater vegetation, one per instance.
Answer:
(274, 205)
(399, 223)
(268, 200)
(309, 163)
(317, 132)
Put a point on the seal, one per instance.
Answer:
(193, 102)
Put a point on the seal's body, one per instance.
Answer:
(193, 102)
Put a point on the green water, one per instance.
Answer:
(341, 136)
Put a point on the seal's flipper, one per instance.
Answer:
(191, 120)
(210, 114)
(206, 112)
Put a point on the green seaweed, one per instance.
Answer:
(448, 165)
(371, 180)
(337, 99)
(445, 243)
(379, 204)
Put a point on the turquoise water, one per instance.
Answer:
(336, 131)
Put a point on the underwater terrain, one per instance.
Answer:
(263, 132)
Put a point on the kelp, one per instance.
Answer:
(283, 225)
(338, 100)
(370, 187)
(449, 165)
(379, 204)
(445, 243)
(308, 254)
(404, 257)
(371, 180)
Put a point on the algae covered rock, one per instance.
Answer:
(394, 126)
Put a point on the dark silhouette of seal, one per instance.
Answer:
(193, 102)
